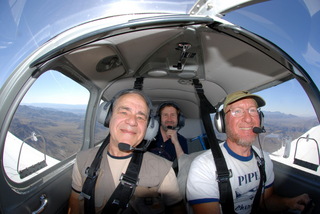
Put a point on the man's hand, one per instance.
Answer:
(299, 202)
(275, 203)
(172, 134)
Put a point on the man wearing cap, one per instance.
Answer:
(240, 115)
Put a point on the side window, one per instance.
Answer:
(47, 127)
(292, 129)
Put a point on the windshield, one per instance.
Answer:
(26, 25)
(293, 25)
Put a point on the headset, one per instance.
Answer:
(220, 124)
(181, 118)
(105, 111)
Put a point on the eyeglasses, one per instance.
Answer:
(239, 112)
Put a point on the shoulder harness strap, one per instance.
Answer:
(88, 189)
(261, 165)
(120, 198)
(223, 174)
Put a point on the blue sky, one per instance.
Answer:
(294, 26)
(26, 25)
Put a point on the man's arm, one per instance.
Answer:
(173, 135)
(206, 208)
(273, 202)
(73, 203)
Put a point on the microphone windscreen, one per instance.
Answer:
(124, 147)
(257, 130)
(173, 127)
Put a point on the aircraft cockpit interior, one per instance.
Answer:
(58, 70)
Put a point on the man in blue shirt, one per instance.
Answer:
(169, 143)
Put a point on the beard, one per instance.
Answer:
(246, 141)
(168, 123)
(164, 127)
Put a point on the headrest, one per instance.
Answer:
(103, 111)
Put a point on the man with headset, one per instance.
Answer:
(169, 143)
(241, 119)
(119, 176)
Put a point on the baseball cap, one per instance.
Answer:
(238, 95)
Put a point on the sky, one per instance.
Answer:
(291, 24)
(26, 25)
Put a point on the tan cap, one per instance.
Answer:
(240, 95)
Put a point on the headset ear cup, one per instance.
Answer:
(219, 121)
(181, 120)
(152, 129)
(103, 114)
(261, 116)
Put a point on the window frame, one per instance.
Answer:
(20, 85)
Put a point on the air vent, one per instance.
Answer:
(108, 63)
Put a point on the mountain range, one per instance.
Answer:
(61, 127)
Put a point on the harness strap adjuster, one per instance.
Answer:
(92, 174)
(85, 195)
(260, 161)
(128, 181)
(224, 177)
(116, 202)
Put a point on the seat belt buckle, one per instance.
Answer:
(128, 181)
(224, 177)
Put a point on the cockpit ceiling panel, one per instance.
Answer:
(211, 55)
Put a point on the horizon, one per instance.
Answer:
(64, 106)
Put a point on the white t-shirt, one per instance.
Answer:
(202, 186)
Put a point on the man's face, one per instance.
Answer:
(169, 117)
(129, 120)
(239, 129)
